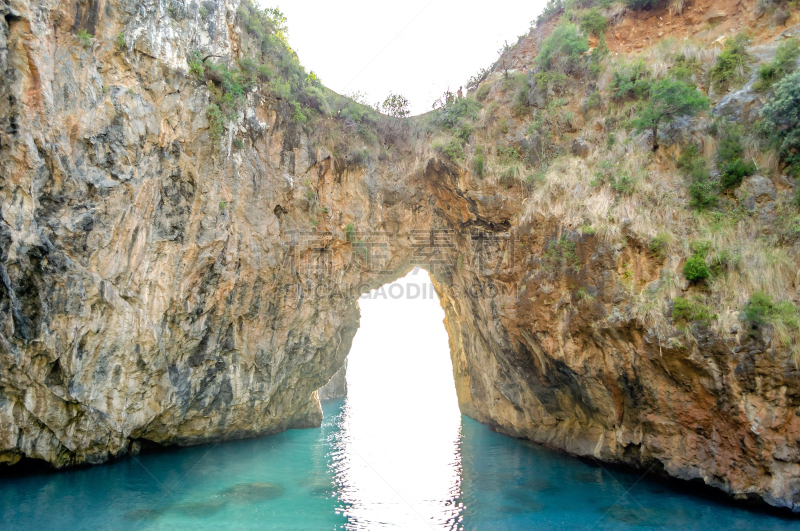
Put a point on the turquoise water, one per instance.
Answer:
(299, 480)
(396, 454)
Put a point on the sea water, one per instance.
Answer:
(324, 479)
(395, 454)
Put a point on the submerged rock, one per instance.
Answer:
(252, 492)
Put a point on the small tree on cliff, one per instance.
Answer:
(668, 99)
(395, 105)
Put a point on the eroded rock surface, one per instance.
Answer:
(336, 387)
(158, 285)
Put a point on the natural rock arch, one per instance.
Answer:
(156, 285)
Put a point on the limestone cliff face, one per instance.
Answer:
(158, 285)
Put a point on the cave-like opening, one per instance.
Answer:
(400, 424)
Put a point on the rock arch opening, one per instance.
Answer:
(398, 458)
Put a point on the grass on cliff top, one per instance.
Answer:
(270, 67)
(616, 192)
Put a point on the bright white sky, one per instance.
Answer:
(417, 48)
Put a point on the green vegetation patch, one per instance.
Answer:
(642, 4)
(783, 64)
(668, 99)
(729, 68)
(631, 81)
(760, 309)
(564, 46)
(593, 22)
(659, 245)
(687, 311)
(702, 187)
(483, 91)
(730, 157)
(608, 173)
(782, 119)
(695, 269)
(478, 161)
(560, 253)
(84, 37)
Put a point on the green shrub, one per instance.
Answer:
(642, 4)
(477, 79)
(687, 311)
(695, 268)
(668, 99)
(521, 108)
(729, 67)
(702, 191)
(196, 65)
(238, 144)
(264, 72)
(483, 91)
(350, 233)
(560, 253)
(761, 309)
(564, 44)
(593, 22)
(730, 152)
(508, 154)
(730, 143)
(298, 116)
(203, 12)
(757, 308)
(702, 188)
(700, 247)
(85, 37)
(659, 245)
(690, 159)
(396, 105)
(463, 132)
(582, 294)
(594, 101)
(549, 78)
(623, 184)
(733, 173)
(478, 161)
(631, 81)
(453, 149)
(121, 40)
(685, 68)
(450, 115)
(782, 118)
(783, 64)
(724, 261)
(551, 8)
(216, 122)
(601, 50)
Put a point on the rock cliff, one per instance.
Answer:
(162, 283)
(336, 387)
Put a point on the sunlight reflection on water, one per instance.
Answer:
(397, 462)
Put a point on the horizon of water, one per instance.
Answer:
(395, 454)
